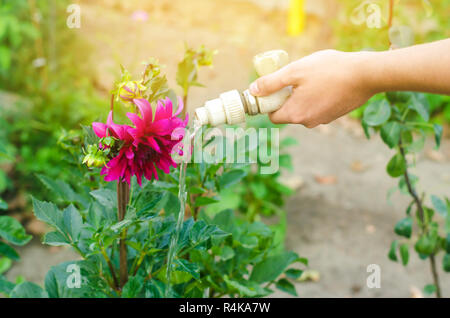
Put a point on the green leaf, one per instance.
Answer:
(12, 231)
(72, 222)
(377, 113)
(245, 288)
(293, 273)
(446, 262)
(8, 251)
(3, 205)
(286, 286)
(226, 253)
(63, 190)
(425, 245)
(105, 197)
(447, 243)
(437, 134)
(429, 289)
(188, 267)
(5, 264)
(404, 227)
(48, 213)
(201, 201)
(390, 133)
(5, 286)
(61, 280)
(249, 241)
(404, 254)
(396, 166)
(28, 290)
(272, 267)
(55, 239)
(439, 205)
(133, 287)
(366, 129)
(393, 251)
(230, 178)
(420, 104)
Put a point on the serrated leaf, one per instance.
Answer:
(73, 222)
(63, 190)
(105, 197)
(55, 239)
(188, 267)
(12, 231)
(48, 213)
(132, 288)
(28, 290)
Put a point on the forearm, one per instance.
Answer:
(424, 68)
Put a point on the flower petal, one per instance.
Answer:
(99, 129)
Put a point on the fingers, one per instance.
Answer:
(271, 83)
(287, 114)
(294, 111)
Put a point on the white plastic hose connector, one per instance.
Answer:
(231, 106)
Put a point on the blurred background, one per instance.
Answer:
(54, 77)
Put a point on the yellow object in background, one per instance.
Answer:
(296, 19)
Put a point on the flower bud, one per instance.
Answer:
(130, 90)
(94, 157)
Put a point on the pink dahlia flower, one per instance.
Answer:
(148, 145)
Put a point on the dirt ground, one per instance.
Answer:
(339, 217)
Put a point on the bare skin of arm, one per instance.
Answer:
(329, 84)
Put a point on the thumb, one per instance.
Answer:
(270, 83)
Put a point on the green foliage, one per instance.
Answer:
(12, 232)
(403, 120)
(37, 54)
(217, 253)
(404, 130)
(415, 22)
(187, 72)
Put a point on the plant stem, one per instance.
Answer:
(391, 12)
(435, 276)
(185, 99)
(123, 196)
(110, 266)
(419, 206)
(112, 104)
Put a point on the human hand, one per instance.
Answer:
(326, 85)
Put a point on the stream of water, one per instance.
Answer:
(182, 195)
